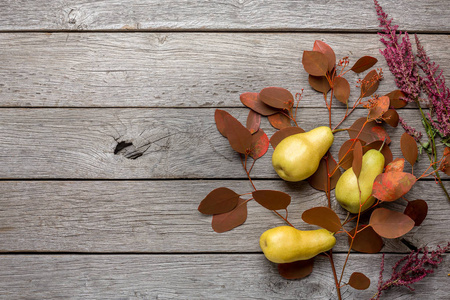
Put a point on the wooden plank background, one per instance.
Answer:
(78, 221)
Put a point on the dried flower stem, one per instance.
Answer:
(410, 269)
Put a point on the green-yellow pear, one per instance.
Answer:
(286, 244)
(347, 193)
(297, 157)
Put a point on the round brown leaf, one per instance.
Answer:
(380, 108)
(397, 165)
(277, 97)
(319, 83)
(409, 148)
(357, 158)
(417, 210)
(391, 117)
(219, 117)
(218, 201)
(315, 63)
(281, 134)
(238, 136)
(369, 84)
(319, 180)
(297, 269)
(366, 241)
(390, 186)
(323, 217)
(229, 220)
(341, 89)
(251, 100)
(390, 224)
(260, 144)
(273, 200)
(371, 132)
(327, 51)
(445, 165)
(346, 153)
(279, 121)
(363, 64)
(253, 121)
(396, 98)
(359, 281)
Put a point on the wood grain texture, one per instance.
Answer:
(193, 277)
(174, 69)
(304, 15)
(175, 143)
(162, 217)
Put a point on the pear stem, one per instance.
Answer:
(382, 145)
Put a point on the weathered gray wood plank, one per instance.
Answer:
(193, 277)
(175, 143)
(173, 69)
(219, 15)
(162, 216)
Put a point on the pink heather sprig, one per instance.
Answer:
(417, 135)
(438, 93)
(410, 269)
(399, 56)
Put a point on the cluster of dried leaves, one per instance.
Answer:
(229, 209)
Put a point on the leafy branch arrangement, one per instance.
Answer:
(364, 177)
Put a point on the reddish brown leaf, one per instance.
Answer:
(260, 144)
(366, 241)
(359, 281)
(346, 153)
(327, 51)
(253, 121)
(386, 151)
(251, 100)
(297, 269)
(357, 158)
(229, 220)
(391, 186)
(369, 84)
(273, 200)
(319, 180)
(390, 224)
(379, 109)
(279, 121)
(277, 97)
(391, 117)
(397, 165)
(319, 83)
(315, 63)
(218, 201)
(363, 64)
(409, 148)
(370, 133)
(278, 136)
(324, 217)
(341, 89)
(396, 98)
(417, 210)
(238, 136)
(446, 165)
(219, 117)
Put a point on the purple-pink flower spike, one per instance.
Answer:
(399, 56)
(438, 93)
(411, 269)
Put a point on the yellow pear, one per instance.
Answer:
(297, 157)
(347, 193)
(286, 244)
